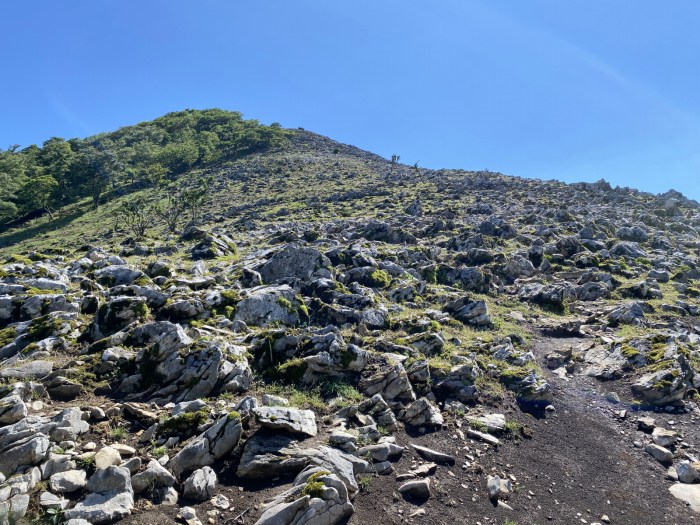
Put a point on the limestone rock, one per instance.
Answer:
(690, 494)
(155, 476)
(12, 410)
(111, 497)
(209, 446)
(433, 455)
(289, 419)
(419, 489)
(423, 412)
(660, 454)
(201, 484)
(106, 457)
(68, 481)
(269, 304)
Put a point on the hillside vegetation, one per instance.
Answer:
(260, 325)
(47, 178)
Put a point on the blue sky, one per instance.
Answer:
(574, 90)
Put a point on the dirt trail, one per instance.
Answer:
(585, 454)
(579, 465)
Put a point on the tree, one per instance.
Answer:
(178, 156)
(416, 169)
(39, 192)
(99, 167)
(11, 179)
(171, 211)
(137, 214)
(154, 174)
(56, 156)
(394, 160)
(193, 198)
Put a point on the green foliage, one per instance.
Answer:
(316, 475)
(142, 311)
(192, 199)
(379, 279)
(38, 193)
(118, 433)
(434, 326)
(656, 353)
(184, 423)
(313, 489)
(12, 168)
(307, 398)
(363, 482)
(19, 259)
(333, 387)
(7, 335)
(513, 427)
(430, 274)
(629, 351)
(64, 171)
(86, 462)
(285, 303)
(159, 452)
(292, 370)
(170, 210)
(478, 425)
(137, 214)
(43, 327)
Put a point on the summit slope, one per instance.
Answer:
(282, 350)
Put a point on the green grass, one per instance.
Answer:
(7, 335)
(332, 387)
(185, 423)
(118, 433)
(313, 489)
(363, 482)
(306, 398)
(159, 452)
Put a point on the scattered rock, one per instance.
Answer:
(289, 419)
(201, 484)
(419, 489)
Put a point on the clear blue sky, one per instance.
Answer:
(567, 89)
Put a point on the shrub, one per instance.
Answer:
(379, 279)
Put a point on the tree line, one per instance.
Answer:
(40, 180)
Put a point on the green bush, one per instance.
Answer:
(379, 279)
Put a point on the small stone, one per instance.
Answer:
(107, 457)
(200, 486)
(434, 456)
(51, 501)
(686, 472)
(416, 489)
(124, 450)
(269, 400)
(664, 438)
(189, 516)
(493, 485)
(220, 502)
(646, 424)
(613, 397)
(69, 481)
(659, 453)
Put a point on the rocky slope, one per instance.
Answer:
(346, 339)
